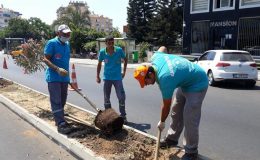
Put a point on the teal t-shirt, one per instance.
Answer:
(112, 67)
(174, 71)
(60, 56)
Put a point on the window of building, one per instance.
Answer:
(223, 5)
(249, 35)
(199, 6)
(249, 3)
(199, 36)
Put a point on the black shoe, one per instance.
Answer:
(190, 156)
(125, 120)
(64, 128)
(167, 143)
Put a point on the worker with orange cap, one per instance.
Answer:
(171, 72)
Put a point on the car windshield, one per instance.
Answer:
(236, 56)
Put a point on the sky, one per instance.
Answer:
(46, 9)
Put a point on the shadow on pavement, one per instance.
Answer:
(142, 127)
(238, 86)
(176, 156)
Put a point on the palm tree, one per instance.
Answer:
(74, 17)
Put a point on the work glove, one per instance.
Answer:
(161, 125)
(61, 71)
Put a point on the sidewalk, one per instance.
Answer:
(9, 136)
(94, 62)
(20, 140)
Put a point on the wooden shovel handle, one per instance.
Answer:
(157, 145)
(85, 97)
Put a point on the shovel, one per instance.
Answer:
(108, 120)
(157, 145)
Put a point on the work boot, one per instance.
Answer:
(64, 128)
(125, 120)
(167, 143)
(190, 156)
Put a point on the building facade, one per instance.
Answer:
(5, 15)
(221, 24)
(101, 23)
(79, 5)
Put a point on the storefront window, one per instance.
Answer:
(249, 35)
(200, 36)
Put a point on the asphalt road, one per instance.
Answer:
(19, 140)
(230, 123)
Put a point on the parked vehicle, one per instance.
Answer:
(255, 50)
(228, 65)
(17, 52)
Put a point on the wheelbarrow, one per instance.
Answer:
(108, 120)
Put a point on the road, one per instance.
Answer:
(20, 140)
(230, 123)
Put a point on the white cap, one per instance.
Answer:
(64, 28)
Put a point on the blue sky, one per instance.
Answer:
(46, 9)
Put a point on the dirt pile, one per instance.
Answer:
(125, 145)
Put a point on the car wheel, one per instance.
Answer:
(212, 82)
(250, 84)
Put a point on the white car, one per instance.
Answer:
(228, 65)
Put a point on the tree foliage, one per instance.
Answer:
(157, 22)
(140, 13)
(40, 28)
(144, 47)
(31, 56)
(74, 18)
(115, 33)
(33, 28)
(20, 28)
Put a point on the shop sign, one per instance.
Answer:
(223, 24)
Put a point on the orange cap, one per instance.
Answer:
(140, 73)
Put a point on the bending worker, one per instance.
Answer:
(171, 72)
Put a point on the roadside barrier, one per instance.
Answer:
(74, 79)
(5, 64)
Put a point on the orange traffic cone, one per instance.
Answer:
(74, 79)
(4, 64)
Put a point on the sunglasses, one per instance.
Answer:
(65, 34)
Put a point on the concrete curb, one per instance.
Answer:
(51, 132)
